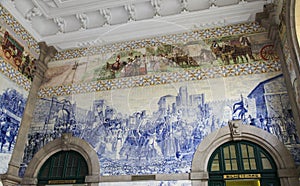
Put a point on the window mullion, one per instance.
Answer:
(258, 159)
(65, 165)
(78, 167)
(222, 160)
(229, 156)
(239, 158)
(51, 167)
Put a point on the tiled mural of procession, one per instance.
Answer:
(159, 131)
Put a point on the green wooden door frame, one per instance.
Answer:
(64, 167)
(241, 160)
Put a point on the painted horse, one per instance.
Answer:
(232, 51)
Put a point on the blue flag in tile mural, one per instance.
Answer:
(239, 109)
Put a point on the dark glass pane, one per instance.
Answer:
(83, 171)
(57, 172)
(45, 171)
(72, 166)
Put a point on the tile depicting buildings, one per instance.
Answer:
(156, 129)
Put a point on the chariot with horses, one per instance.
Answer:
(235, 50)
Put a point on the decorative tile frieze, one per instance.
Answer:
(19, 29)
(14, 75)
(195, 35)
(162, 78)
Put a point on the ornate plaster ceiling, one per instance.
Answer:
(68, 24)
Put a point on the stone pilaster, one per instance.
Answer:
(288, 66)
(12, 175)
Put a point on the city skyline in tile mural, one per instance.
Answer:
(133, 134)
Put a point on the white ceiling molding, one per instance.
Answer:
(69, 24)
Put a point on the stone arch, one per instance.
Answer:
(286, 168)
(293, 7)
(65, 143)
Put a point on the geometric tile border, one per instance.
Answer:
(19, 29)
(195, 35)
(162, 78)
(14, 75)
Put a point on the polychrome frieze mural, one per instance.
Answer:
(205, 49)
(15, 54)
(156, 129)
(7, 19)
(12, 104)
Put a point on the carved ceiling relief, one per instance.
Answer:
(53, 21)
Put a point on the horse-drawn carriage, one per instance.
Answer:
(232, 50)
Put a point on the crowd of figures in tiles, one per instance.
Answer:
(163, 141)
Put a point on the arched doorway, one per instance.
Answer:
(63, 167)
(242, 163)
(267, 146)
(70, 157)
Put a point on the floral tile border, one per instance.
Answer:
(14, 75)
(19, 29)
(196, 35)
(162, 78)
